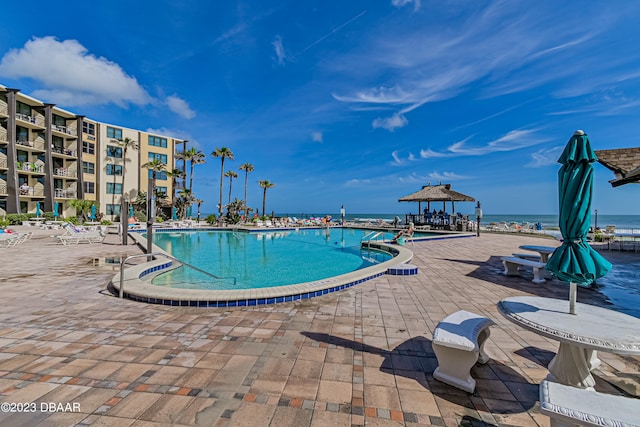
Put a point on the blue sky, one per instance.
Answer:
(350, 102)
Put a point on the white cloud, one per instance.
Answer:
(513, 140)
(316, 137)
(545, 157)
(357, 182)
(402, 3)
(180, 107)
(396, 159)
(279, 49)
(446, 176)
(390, 123)
(71, 75)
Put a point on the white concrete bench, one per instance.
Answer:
(458, 342)
(530, 257)
(512, 263)
(572, 406)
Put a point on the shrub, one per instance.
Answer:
(211, 219)
(16, 219)
(4, 223)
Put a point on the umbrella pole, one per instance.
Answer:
(573, 293)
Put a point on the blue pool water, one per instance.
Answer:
(256, 260)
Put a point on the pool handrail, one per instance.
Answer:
(149, 255)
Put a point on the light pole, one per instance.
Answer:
(596, 226)
(342, 214)
(478, 218)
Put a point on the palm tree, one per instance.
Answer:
(175, 174)
(231, 175)
(155, 166)
(194, 157)
(223, 153)
(247, 167)
(125, 143)
(198, 202)
(265, 184)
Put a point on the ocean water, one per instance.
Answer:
(547, 221)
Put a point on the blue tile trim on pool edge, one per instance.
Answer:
(243, 302)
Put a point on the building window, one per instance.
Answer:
(161, 190)
(89, 187)
(159, 175)
(88, 128)
(158, 156)
(113, 209)
(88, 167)
(114, 170)
(23, 108)
(114, 151)
(157, 141)
(88, 147)
(22, 134)
(57, 144)
(114, 188)
(58, 120)
(114, 133)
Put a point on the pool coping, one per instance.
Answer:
(139, 289)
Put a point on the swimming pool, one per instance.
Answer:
(243, 260)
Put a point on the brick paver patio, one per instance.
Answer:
(81, 357)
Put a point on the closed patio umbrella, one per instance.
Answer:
(131, 212)
(55, 210)
(38, 211)
(174, 214)
(575, 261)
(93, 213)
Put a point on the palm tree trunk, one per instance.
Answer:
(264, 201)
(246, 179)
(230, 184)
(221, 179)
(191, 179)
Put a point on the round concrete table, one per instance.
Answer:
(580, 335)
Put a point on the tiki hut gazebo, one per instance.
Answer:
(434, 193)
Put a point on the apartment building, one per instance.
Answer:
(49, 156)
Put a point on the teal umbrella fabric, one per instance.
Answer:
(575, 261)
(55, 210)
(38, 211)
(131, 213)
(174, 214)
(93, 213)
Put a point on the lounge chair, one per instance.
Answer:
(78, 234)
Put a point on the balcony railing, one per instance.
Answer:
(4, 109)
(70, 172)
(28, 119)
(68, 193)
(64, 129)
(64, 151)
(31, 191)
(3, 189)
(37, 143)
(3, 163)
(30, 167)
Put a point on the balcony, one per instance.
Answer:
(4, 110)
(26, 191)
(34, 143)
(30, 121)
(3, 189)
(63, 151)
(64, 130)
(3, 163)
(31, 167)
(61, 193)
(68, 172)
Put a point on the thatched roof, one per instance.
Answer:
(437, 193)
(624, 162)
